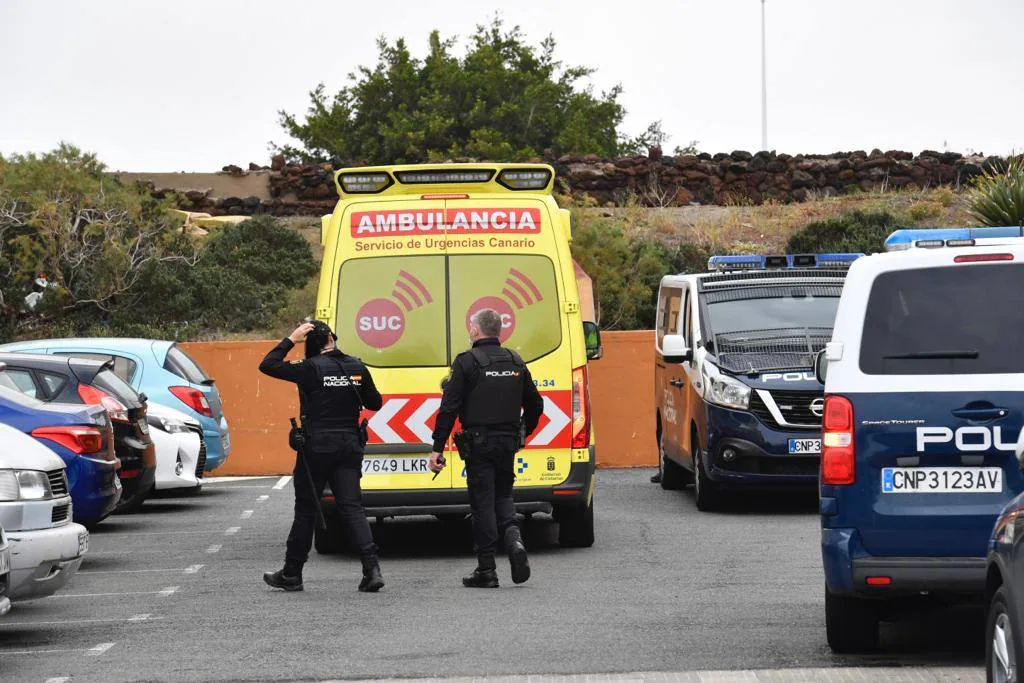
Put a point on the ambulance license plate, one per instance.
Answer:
(415, 465)
(942, 480)
(801, 446)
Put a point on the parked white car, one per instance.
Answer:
(5, 573)
(35, 510)
(180, 448)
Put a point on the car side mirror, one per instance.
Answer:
(674, 349)
(820, 366)
(3, 366)
(592, 338)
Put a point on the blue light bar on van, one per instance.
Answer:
(758, 262)
(930, 238)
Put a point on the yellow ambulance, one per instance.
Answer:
(410, 253)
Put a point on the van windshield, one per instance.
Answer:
(949, 320)
(413, 311)
(785, 310)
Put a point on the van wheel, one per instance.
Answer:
(329, 541)
(1001, 658)
(672, 476)
(851, 624)
(576, 526)
(706, 493)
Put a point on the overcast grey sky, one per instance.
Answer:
(196, 84)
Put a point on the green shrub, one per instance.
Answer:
(855, 231)
(997, 197)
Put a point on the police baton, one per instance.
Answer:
(321, 520)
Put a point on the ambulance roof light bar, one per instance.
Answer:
(364, 183)
(760, 262)
(436, 177)
(934, 238)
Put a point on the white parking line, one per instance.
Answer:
(247, 514)
(60, 679)
(4, 653)
(232, 530)
(104, 595)
(214, 549)
(220, 480)
(170, 590)
(100, 649)
(176, 570)
(282, 482)
(262, 498)
(140, 617)
(67, 622)
(194, 569)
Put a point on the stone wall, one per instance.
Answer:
(654, 180)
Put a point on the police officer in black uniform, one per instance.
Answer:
(491, 392)
(333, 390)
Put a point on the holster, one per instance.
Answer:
(364, 433)
(521, 437)
(296, 437)
(464, 444)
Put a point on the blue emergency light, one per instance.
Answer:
(926, 238)
(760, 262)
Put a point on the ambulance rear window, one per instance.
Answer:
(520, 287)
(958, 320)
(391, 311)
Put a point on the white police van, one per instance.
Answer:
(737, 401)
(924, 409)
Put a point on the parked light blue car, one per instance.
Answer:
(159, 369)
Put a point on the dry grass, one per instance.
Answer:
(769, 226)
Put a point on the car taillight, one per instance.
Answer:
(78, 439)
(92, 396)
(981, 258)
(580, 408)
(838, 462)
(194, 399)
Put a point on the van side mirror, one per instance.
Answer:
(674, 349)
(820, 365)
(592, 338)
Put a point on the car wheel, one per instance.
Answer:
(851, 624)
(576, 526)
(329, 541)
(1001, 645)
(672, 475)
(706, 493)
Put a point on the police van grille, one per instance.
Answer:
(58, 482)
(201, 464)
(60, 513)
(795, 407)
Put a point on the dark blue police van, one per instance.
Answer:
(738, 404)
(923, 420)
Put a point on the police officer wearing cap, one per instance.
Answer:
(491, 392)
(333, 390)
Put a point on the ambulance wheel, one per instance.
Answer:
(851, 624)
(576, 526)
(706, 493)
(329, 541)
(671, 474)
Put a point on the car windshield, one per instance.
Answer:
(182, 365)
(951, 320)
(15, 396)
(118, 388)
(793, 307)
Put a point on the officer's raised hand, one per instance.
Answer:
(436, 463)
(300, 333)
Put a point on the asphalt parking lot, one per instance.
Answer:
(174, 593)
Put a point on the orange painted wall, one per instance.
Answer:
(258, 407)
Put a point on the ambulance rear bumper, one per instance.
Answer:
(573, 492)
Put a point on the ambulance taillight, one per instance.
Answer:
(580, 408)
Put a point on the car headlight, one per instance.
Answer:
(24, 485)
(724, 390)
(166, 424)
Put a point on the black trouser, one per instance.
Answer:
(342, 469)
(490, 475)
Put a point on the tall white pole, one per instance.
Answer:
(764, 85)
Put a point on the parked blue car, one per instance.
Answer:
(83, 438)
(1004, 589)
(159, 369)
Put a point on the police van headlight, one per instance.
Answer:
(724, 390)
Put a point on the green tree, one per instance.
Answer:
(504, 99)
(855, 231)
(997, 198)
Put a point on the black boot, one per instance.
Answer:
(289, 578)
(372, 579)
(517, 555)
(484, 576)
